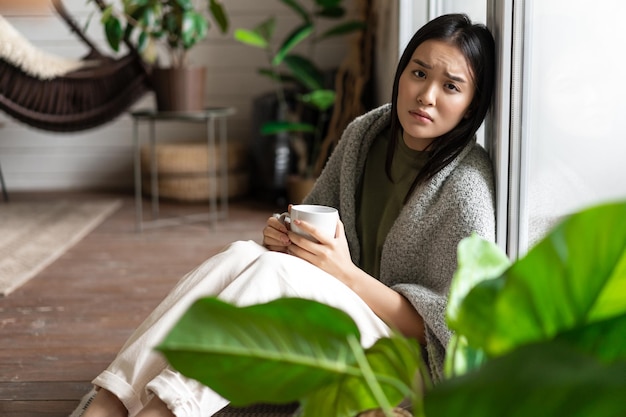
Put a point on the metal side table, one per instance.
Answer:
(210, 117)
(5, 193)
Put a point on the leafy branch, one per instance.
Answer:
(176, 24)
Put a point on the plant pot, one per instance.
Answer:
(298, 187)
(179, 89)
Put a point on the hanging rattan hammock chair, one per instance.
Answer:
(84, 98)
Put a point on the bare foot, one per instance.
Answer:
(155, 408)
(105, 404)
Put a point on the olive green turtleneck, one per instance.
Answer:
(381, 199)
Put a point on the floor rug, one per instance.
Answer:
(35, 234)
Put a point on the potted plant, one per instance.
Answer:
(303, 93)
(163, 32)
(542, 336)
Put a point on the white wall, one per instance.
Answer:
(102, 157)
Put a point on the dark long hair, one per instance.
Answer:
(477, 45)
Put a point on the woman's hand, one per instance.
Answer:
(275, 236)
(331, 255)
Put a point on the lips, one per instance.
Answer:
(421, 115)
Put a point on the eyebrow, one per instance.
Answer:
(447, 74)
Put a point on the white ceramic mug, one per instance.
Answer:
(323, 218)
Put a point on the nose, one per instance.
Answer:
(426, 96)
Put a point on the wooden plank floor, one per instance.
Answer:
(59, 330)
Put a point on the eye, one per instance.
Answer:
(452, 87)
(419, 73)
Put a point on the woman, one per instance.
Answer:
(409, 182)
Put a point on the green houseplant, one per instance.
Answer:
(542, 336)
(303, 93)
(163, 32)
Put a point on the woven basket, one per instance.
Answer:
(198, 188)
(185, 173)
(192, 158)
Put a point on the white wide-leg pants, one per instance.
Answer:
(244, 273)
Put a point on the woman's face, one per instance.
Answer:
(434, 93)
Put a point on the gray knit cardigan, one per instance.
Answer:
(419, 254)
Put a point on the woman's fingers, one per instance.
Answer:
(314, 232)
(302, 245)
(330, 254)
(275, 235)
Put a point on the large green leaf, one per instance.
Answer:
(142, 41)
(293, 39)
(331, 12)
(280, 77)
(266, 29)
(322, 100)
(477, 260)
(250, 37)
(462, 358)
(542, 380)
(261, 36)
(113, 30)
(280, 126)
(304, 71)
(328, 3)
(576, 275)
(145, 18)
(219, 14)
(274, 352)
(194, 28)
(603, 339)
(396, 365)
(342, 29)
